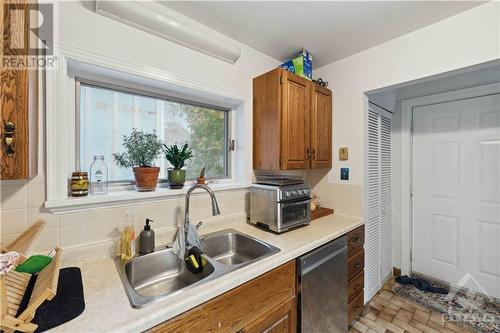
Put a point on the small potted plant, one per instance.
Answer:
(142, 149)
(177, 157)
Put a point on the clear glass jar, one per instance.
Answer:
(98, 176)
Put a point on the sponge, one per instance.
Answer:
(34, 264)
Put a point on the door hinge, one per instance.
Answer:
(281, 160)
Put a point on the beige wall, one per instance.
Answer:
(469, 38)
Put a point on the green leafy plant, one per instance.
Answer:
(142, 148)
(178, 156)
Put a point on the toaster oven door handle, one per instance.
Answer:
(285, 204)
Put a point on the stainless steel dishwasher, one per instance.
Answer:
(322, 277)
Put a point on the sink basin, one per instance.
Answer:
(162, 273)
(230, 247)
(158, 275)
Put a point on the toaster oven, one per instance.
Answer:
(280, 208)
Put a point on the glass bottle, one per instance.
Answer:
(98, 176)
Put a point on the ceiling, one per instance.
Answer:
(330, 30)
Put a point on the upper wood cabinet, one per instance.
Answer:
(292, 122)
(321, 127)
(18, 104)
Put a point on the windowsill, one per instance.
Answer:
(127, 197)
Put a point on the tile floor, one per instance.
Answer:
(391, 313)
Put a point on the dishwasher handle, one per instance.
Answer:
(318, 257)
(322, 261)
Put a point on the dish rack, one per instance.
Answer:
(13, 285)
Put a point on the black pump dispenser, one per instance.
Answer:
(147, 239)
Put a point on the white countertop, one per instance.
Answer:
(107, 308)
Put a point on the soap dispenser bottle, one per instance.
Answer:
(147, 239)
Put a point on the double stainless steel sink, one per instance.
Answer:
(161, 274)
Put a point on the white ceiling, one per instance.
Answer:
(331, 30)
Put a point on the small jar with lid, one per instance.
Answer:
(79, 184)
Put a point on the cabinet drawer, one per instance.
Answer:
(355, 264)
(355, 240)
(355, 285)
(355, 307)
(238, 307)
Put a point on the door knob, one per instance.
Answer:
(10, 129)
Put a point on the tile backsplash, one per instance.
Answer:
(22, 204)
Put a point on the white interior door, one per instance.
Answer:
(456, 192)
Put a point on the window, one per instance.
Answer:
(106, 113)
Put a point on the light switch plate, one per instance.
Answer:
(344, 173)
(343, 154)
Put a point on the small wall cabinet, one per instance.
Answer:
(292, 123)
(18, 104)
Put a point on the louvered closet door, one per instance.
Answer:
(378, 266)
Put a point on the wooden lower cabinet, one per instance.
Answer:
(282, 319)
(355, 272)
(267, 301)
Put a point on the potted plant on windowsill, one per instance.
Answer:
(142, 149)
(177, 157)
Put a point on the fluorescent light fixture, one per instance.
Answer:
(163, 23)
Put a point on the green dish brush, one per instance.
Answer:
(34, 264)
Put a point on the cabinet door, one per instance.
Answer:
(295, 122)
(321, 127)
(18, 98)
(281, 319)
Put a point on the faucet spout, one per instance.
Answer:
(215, 205)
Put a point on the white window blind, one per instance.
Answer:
(378, 265)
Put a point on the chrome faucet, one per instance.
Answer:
(215, 206)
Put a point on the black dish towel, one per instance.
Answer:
(68, 303)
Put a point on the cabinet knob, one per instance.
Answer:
(308, 153)
(9, 130)
(314, 154)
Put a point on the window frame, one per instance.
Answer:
(124, 184)
(57, 136)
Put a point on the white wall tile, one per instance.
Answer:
(73, 235)
(36, 195)
(36, 214)
(8, 238)
(71, 219)
(103, 230)
(49, 239)
(12, 197)
(13, 221)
